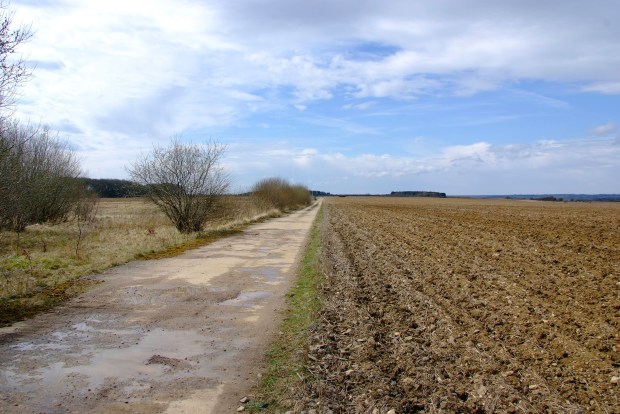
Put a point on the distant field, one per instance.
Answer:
(40, 266)
(457, 305)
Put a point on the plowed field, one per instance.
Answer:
(474, 306)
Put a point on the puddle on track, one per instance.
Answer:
(125, 363)
(247, 299)
(268, 274)
(120, 363)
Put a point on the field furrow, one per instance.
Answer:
(469, 306)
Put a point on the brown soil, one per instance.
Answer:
(468, 306)
(178, 335)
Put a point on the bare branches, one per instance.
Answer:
(184, 181)
(39, 177)
(13, 70)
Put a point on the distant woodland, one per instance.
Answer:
(417, 194)
(114, 188)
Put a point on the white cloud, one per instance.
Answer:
(603, 130)
(478, 153)
(588, 165)
(114, 76)
(361, 106)
(607, 88)
(216, 53)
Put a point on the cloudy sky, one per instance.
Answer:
(346, 96)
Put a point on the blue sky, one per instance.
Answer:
(464, 97)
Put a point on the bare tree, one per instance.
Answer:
(13, 69)
(184, 180)
(39, 175)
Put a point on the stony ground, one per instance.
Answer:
(467, 306)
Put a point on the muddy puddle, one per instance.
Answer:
(247, 299)
(267, 274)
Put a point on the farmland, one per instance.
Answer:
(458, 305)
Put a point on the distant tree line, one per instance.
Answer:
(417, 194)
(547, 198)
(317, 193)
(115, 188)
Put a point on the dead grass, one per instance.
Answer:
(40, 267)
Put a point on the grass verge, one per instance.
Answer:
(15, 309)
(199, 241)
(286, 361)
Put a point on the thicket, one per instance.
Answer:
(38, 177)
(280, 194)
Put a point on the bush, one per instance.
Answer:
(185, 181)
(39, 177)
(279, 193)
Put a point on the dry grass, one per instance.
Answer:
(38, 268)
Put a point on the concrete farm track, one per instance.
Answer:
(177, 335)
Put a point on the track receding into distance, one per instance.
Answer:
(181, 335)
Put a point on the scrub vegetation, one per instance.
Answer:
(186, 181)
(278, 193)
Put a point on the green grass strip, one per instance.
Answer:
(18, 308)
(285, 364)
(202, 239)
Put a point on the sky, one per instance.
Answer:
(345, 96)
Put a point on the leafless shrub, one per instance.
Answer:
(185, 181)
(39, 177)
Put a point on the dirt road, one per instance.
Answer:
(179, 335)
